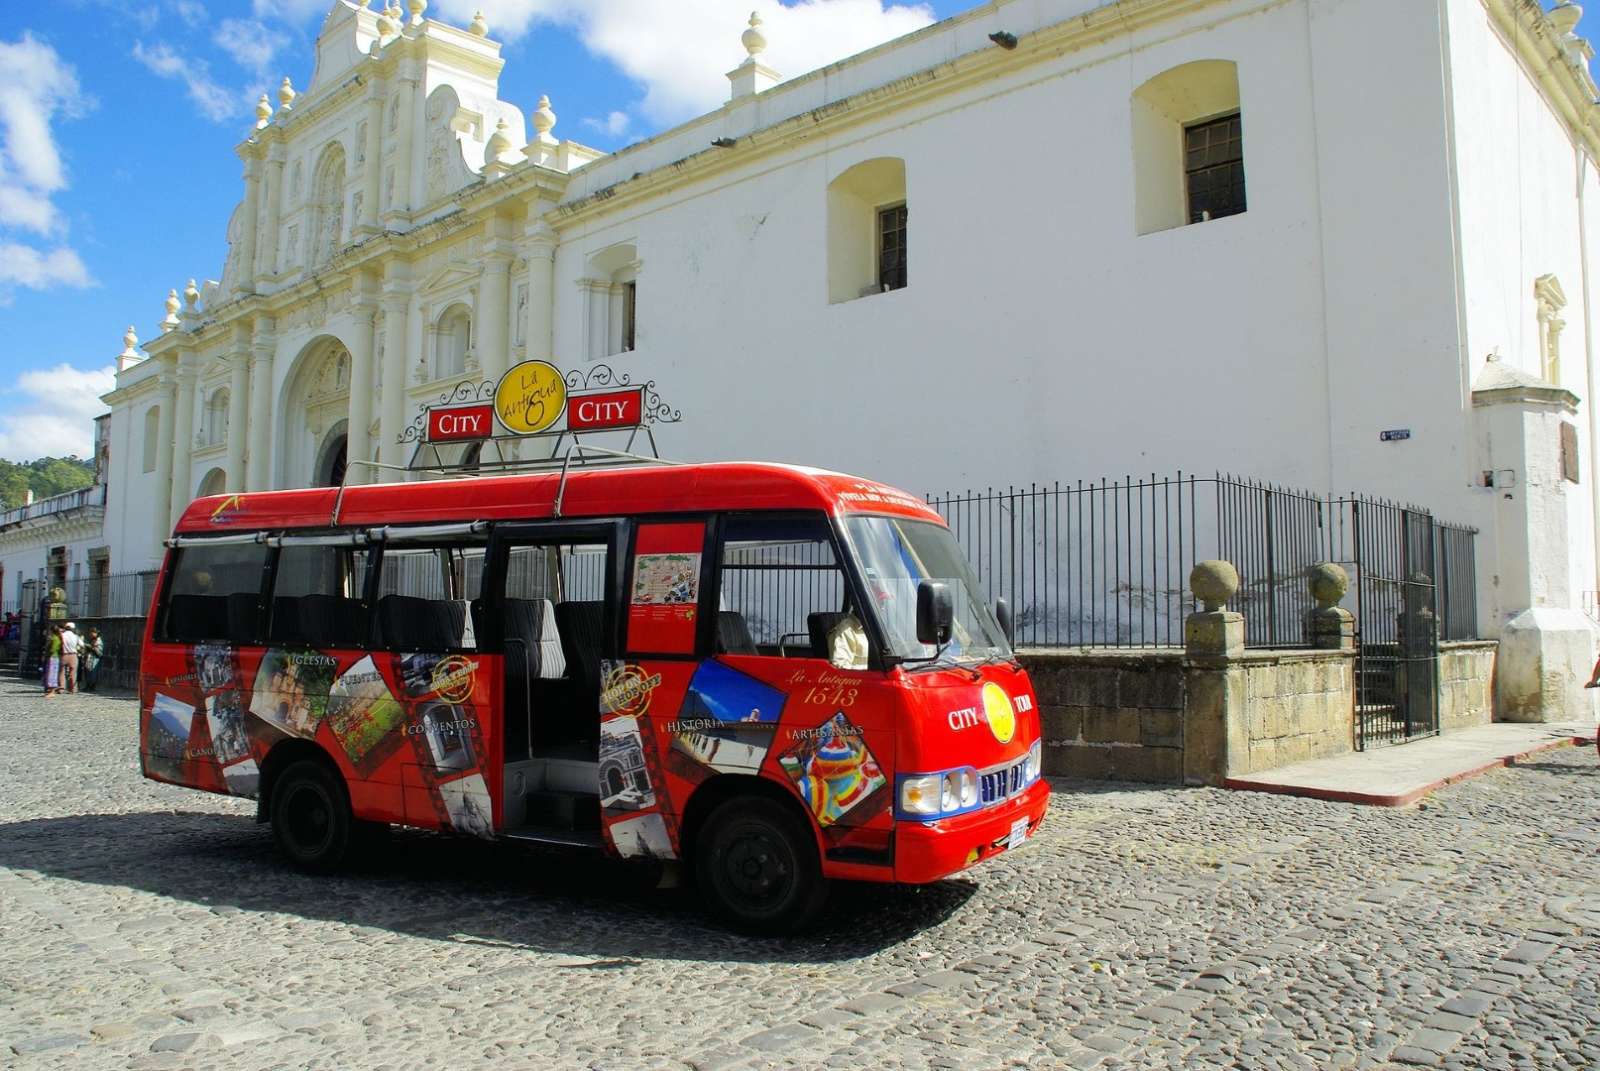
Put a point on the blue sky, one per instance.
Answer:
(117, 170)
(118, 120)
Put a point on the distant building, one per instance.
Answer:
(53, 541)
(1342, 245)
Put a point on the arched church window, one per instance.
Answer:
(215, 429)
(1188, 146)
(612, 287)
(452, 342)
(152, 436)
(868, 224)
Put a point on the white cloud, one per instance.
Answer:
(293, 10)
(614, 124)
(38, 88)
(214, 101)
(50, 412)
(250, 44)
(23, 265)
(681, 52)
(191, 11)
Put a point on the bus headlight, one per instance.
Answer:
(1035, 764)
(920, 795)
(969, 787)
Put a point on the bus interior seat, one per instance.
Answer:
(318, 620)
(243, 617)
(533, 653)
(582, 629)
(199, 615)
(819, 625)
(409, 623)
(733, 634)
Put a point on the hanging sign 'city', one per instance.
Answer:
(601, 410)
(460, 423)
(535, 398)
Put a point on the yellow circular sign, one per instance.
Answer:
(530, 397)
(997, 708)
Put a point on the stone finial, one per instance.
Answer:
(388, 25)
(173, 304)
(498, 146)
(286, 96)
(130, 345)
(479, 26)
(263, 112)
(544, 120)
(417, 8)
(755, 42)
(1328, 583)
(1214, 583)
(191, 298)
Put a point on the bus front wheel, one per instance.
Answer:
(311, 817)
(758, 865)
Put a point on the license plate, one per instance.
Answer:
(1019, 833)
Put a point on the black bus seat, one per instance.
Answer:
(408, 623)
(318, 621)
(733, 634)
(819, 625)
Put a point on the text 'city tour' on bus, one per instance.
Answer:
(777, 675)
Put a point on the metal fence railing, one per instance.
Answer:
(1107, 564)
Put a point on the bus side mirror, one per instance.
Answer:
(936, 611)
(1002, 614)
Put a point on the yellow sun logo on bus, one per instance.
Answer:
(997, 708)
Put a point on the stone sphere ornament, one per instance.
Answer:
(1214, 583)
(1328, 583)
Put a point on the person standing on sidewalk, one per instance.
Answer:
(93, 648)
(71, 644)
(52, 660)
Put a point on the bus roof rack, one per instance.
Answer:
(584, 455)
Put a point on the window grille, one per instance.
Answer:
(892, 247)
(1214, 168)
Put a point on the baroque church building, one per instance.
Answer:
(1041, 240)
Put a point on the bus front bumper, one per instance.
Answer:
(928, 851)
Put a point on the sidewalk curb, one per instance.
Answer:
(1404, 799)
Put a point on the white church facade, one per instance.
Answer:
(1045, 239)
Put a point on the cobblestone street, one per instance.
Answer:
(154, 927)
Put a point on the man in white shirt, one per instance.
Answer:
(71, 644)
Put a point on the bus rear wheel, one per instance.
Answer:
(311, 817)
(758, 865)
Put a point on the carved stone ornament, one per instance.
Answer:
(1214, 583)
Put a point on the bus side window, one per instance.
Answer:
(781, 589)
(215, 594)
(425, 597)
(319, 597)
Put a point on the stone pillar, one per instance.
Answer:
(371, 179)
(1330, 626)
(267, 246)
(258, 470)
(238, 410)
(1547, 646)
(161, 514)
(494, 304)
(358, 442)
(399, 189)
(252, 221)
(539, 247)
(392, 406)
(183, 441)
(1214, 727)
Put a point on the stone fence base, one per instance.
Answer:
(1161, 715)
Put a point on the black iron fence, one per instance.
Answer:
(1107, 564)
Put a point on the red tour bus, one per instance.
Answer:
(778, 675)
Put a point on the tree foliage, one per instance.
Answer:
(45, 476)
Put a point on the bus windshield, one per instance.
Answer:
(895, 555)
